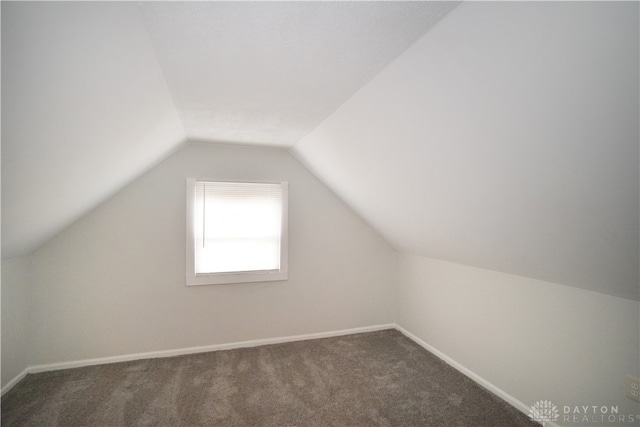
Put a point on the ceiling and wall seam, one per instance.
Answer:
(337, 107)
(164, 77)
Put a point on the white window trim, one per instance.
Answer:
(240, 276)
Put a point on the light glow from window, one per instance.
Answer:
(237, 227)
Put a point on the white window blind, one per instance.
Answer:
(237, 227)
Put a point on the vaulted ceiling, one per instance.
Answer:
(95, 93)
(500, 135)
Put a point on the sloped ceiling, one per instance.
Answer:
(85, 109)
(506, 138)
(93, 94)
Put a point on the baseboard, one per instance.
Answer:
(190, 350)
(472, 375)
(8, 386)
(278, 340)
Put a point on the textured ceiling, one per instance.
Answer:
(269, 72)
(506, 138)
(95, 93)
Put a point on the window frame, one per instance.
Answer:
(193, 279)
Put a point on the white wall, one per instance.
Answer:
(114, 282)
(15, 317)
(534, 340)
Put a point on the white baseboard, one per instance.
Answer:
(191, 350)
(278, 340)
(14, 381)
(472, 375)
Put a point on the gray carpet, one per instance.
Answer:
(372, 379)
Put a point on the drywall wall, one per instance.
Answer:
(534, 340)
(15, 317)
(505, 138)
(114, 282)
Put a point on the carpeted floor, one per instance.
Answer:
(372, 379)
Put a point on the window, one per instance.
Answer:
(236, 232)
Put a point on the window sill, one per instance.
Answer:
(240, 277)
